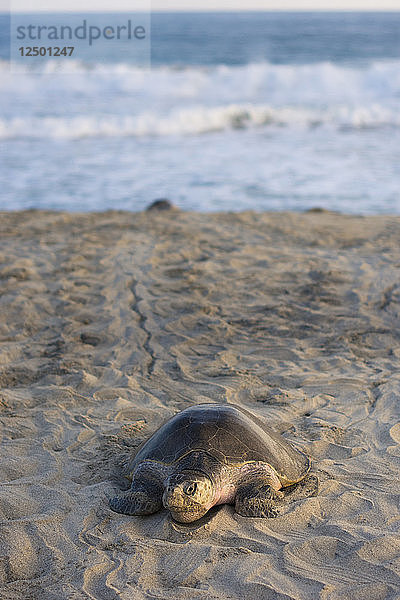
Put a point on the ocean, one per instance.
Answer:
(238, 111)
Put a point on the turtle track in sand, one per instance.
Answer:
(111, 323)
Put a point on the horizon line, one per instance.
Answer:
(205, 10)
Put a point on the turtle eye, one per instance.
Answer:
(190, 489)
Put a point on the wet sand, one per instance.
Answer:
(110, 323)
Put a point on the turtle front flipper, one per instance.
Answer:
(141, 499)
(258, 499)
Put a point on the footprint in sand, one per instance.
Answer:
(395, 433)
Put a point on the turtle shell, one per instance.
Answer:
(228, 433)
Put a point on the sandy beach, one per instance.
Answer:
(110, 323)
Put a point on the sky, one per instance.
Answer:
(164, 5)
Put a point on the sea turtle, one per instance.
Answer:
(212, 454)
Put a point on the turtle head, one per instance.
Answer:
(188, 495)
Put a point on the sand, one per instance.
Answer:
(110, 323)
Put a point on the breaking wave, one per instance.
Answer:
(197, 120)
(282, 83)
(77, 101)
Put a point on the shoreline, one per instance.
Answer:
(111, 322)
(315, 210)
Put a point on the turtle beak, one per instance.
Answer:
(172, 497)
(172, 501)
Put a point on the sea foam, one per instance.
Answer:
(128, 101)
(197, 120)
